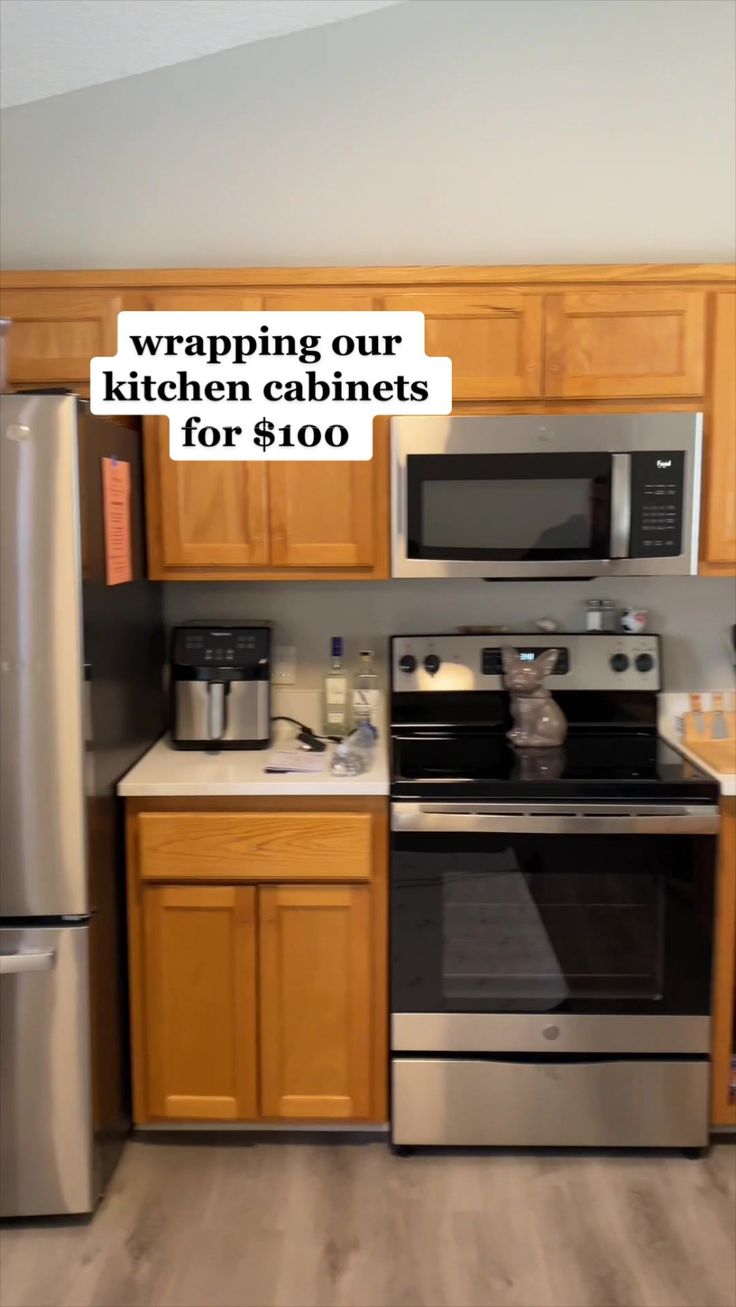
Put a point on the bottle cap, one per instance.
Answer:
(336, 646)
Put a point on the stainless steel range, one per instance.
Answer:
(551, 911)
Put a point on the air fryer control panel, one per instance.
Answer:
(657, 480)
(220, 646)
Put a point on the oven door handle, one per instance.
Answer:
(545, 820)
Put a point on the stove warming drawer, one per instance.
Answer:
(596, 1103)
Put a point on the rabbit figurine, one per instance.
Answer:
(539, 723)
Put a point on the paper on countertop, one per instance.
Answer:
(299, 760)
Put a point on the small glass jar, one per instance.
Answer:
(600, 615)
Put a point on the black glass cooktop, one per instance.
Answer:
(456, 764)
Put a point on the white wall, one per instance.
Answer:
(692, 614)
(438, 131)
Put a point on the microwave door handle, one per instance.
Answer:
(215, 710)
(620, 546)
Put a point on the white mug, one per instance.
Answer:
(634, 620)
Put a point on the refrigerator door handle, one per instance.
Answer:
(13, 964)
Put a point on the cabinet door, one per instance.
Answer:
(719, 487)
(208, 516)
(212, 517)
(493, 338)
(329, 515)
(56, 333)
(626, 343)
(332, 515)
(200, 1005)
(315, 1002)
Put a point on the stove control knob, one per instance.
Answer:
(644, 662)
(619, 662)
(407, 662)
(432, 664)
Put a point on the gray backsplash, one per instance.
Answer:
(693, 615)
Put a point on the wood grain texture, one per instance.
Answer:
(200, 1003)
(493, 338)
(723, 1111)
(315, 951)
(55, 333)
(555, 274)
(202, 515)
(607, 343)
(289, 846)
(307, 1224)
(719, 454)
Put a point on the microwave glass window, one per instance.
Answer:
(509, 506)
(524, 515)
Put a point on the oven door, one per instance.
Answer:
(518, 912)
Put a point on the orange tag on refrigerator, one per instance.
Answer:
(116, 515)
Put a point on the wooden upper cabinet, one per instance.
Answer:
(200, 1009)
(55, 333)
(315, 1002)
(494, 339)
(332, 515)
(202, 516)
(718, 523)
(625, 344)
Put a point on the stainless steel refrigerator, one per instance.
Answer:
(80, 700)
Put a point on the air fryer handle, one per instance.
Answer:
(215, 710)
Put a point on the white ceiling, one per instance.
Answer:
(52, 46)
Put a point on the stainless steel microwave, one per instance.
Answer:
(605, 494)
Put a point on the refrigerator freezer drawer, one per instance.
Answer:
(596, 1104)
(46, 1163)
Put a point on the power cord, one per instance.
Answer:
(306, 736)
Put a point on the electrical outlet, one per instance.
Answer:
(283, 664)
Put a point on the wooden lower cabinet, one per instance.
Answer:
(200, 1005)
(315, 1001)
(258, 1001)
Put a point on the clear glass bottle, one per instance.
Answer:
(366, 692)
(335, 716)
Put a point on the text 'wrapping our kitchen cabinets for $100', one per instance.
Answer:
(244, 385)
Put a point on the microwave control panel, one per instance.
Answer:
(657, 480)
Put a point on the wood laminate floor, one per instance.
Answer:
(305, 1224)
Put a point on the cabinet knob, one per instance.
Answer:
(551, 1032)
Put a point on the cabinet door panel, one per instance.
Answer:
(493, 339)
(719, 487)
(315, 1002)
(321, 514)
(203, 515)
(200, 1005)
(628, 344)
(324, 514)
(56, 333)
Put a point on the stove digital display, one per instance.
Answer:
(491, 665)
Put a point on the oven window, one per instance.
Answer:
(532, 923)
(526, 940)
(502, 506)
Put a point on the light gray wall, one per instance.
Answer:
(692, 614)
(489, 131)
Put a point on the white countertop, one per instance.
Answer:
(164, 771)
